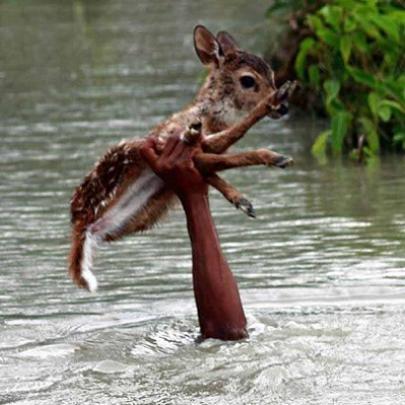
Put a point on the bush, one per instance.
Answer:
(353, 57)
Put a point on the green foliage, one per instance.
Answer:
(354, 57)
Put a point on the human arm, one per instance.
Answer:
(219, 307)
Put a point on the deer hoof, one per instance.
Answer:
(284, 161)
(246, 206)
(285, 91)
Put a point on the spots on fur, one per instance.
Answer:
(219, 104)
(100, 185)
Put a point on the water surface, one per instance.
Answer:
(320, 270)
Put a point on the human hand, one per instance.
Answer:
(175, 165)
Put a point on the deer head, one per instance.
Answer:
(237, 80)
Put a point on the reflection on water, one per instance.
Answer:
(320, 270)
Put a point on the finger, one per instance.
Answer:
(171, 143)
(148, 152)
(178, 151)
(185, 146)
(147, 143)
(188, 153)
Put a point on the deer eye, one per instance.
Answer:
(247, 82)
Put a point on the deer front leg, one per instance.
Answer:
(210, 162)
(231, 194)
(221, 141)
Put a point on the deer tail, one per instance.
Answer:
(84, 243)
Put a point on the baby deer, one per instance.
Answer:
(122, 195)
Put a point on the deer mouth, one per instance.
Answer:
(279, 112)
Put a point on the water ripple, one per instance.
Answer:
(320, 270)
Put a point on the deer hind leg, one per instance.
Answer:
(210, 162)
(127, 206)
(155, 210)
(127, 213)
(231, 194)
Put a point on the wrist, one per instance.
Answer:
(191, 199)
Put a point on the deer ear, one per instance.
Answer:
(206, 46)
(227, 42)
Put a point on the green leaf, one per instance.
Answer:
(374, 101)
(394, 105)
(328, 36)
(332, 15)
(397, 87)
(340, 126)
(360, 41)
(384, 112)
(314, 75)
(388, 25)
(332, 88)
(362, 76)
(399, 137)
(365, 78)
(367, 25)
(349, 24)
(300, 61)
(345, 47)
(315, 22)
(319, 147)
(372, 160)
(370, 131)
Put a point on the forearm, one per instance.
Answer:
(218, 302)
(203, 236)
(220, 311)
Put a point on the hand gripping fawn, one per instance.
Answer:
(122, 195)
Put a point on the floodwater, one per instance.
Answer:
(320, 271)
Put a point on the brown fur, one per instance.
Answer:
(106, 181)
(156, 208)
(226, 111)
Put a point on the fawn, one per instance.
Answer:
(122, 195)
